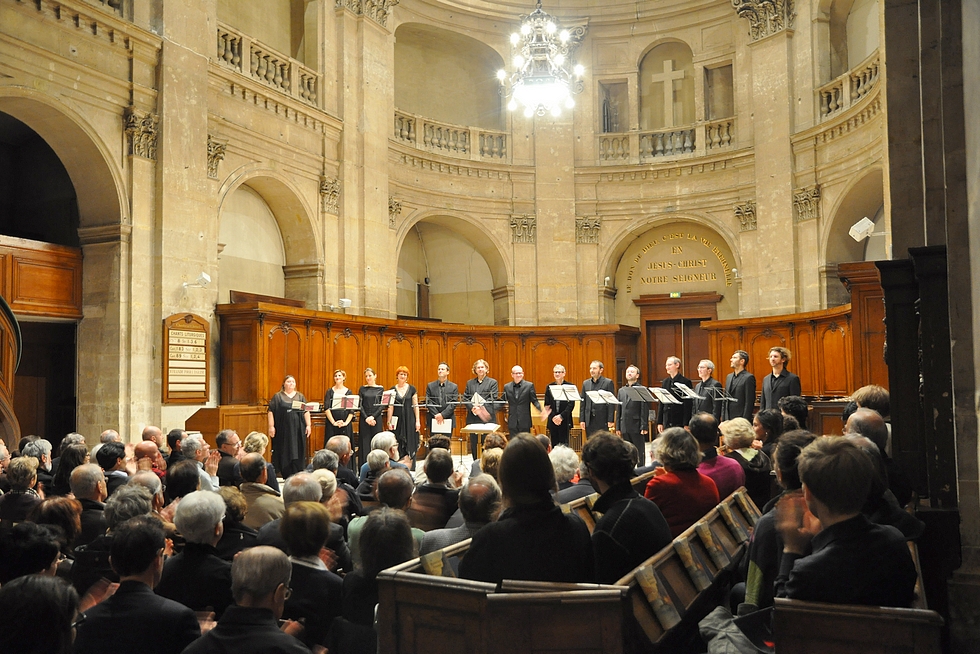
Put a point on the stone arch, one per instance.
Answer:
(864, 196)
(653, 114)
(96, 175)
(484, 242)
(611, 262)
(835, 46)
(303, 270)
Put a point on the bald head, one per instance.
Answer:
(109, 435)
(151, 433)
(395, 488)
(340, 445)
(870, 424)
(253, 468)
(88, 482)
(479, 500)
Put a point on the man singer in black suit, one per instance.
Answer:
(438, 396)
(709, 401)
(740, 385)
(488, 389)
(780, 382)
(520, 395)
(558, 413)
(594, 417)
(674, 415)
(632, 424)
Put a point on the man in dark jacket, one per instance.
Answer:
(230, 448)
(89, 488)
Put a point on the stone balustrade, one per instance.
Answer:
(266, 65)
(448, 139)
(849, 88)
(719, 134)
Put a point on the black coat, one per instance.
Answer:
(317, 598)
(742, 388)
(776, 388)
(247, 631)
(438, 398)
(675, 415)
(198, 579)
(707, 403)
(519, 400)
(563, 408)
(596, 416)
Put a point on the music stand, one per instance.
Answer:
(638, 393)
(602, 397)
(685, 392)
(663, 396)
(565, 393)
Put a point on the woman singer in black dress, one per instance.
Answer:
(288, 429)
(371, 410)
(338, 420)
(406, 409)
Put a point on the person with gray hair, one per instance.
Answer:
(324, 459)
(197, 577)
(565, 462)
(479, 503)
(4, 462)
(41, 450)
(674, 415)
(109, 436)
(682, 494)
(151, 482)
(194, 448)
(386, 442)
(341, 446)
(260, 579)
(88, 486)
(707, 389)
(870, 424)
(378, 462)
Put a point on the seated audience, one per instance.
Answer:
(4, 464)
(174, 436)
(848, 411)
(479, 503)
(394, 490)
(339, 450)
(197, 450)
(768, 426)
(436, 442)
(870, 424)
(235, 535)
(115, 624)
(545, 441)
(632, 528)
(493, 441)
(682, 494)
(182, 479)
(583, 487)
(341, 446)
(853, 560)
(36, 615)
(89, 488)
(147, 453)
(378, 463)
(755, 463)
(197, 577)
(18, 502)
(317, 593)
(490, 462)
(92, 559)
(532, 539)
(112, 457)
(40, 449)
(230, 450)
(876, 398)
(63, 514)
(263, 504)
(387, 443)
(766, 546)
(71, 457)
(28, 549)
(881, 507)
(794, 405)
(725, 472)
(256, 443)
(260, 584)
(565, 462)
(436, 500)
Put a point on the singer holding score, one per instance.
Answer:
(558, 413)
(288, 428)
(338, 420)
(439, 396)
(487, 388)
(405, 414)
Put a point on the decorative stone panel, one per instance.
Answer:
(766, 17)
(524, 228)
(141, 128)
(330, 193)
(587, 229)
(394, 209)
(216, 152)
(806, 201)
(746, 216)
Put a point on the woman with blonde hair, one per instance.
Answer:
(339, 419)
(739, 435)
(258, 442)
(405, 412)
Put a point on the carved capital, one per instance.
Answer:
(746, 216)
(330, 194)
(524, 228)
(394, 210)
(587, 229)
(216, 152)
(766, 17)
(376, 10)
(806, 201)
(141, 128)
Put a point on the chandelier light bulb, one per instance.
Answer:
(560, 59)
(579, 70)
(501, 74)
(528, 112)
(512, 105)
(525, 29)
(556, 111)
(569, 103)
(515, 38)
(518, 61)
(550, 27)
(564, 36)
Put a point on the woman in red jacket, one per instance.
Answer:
(682, 494)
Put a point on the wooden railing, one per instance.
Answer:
(849, 88)
(258, 61)
(473, 143)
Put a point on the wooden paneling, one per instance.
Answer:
(820, 341)
(41, 279)
(863, 281)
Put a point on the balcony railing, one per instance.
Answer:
(452, 140)
(849, 88)
(634, 147)
(258, 61)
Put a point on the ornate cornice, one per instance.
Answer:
(524, 228)
(766, 17)
(376, 10)
(330, 193)
(216, 152)
(115, 233)
(587, 229)
(806, 201)
(394, 209)
(141, 128)
(746, 216)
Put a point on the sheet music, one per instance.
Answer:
(663, 396)
(609, 397)
(686, 392)
(445, 428)
(565, 393)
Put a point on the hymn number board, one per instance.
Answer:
(186, 367)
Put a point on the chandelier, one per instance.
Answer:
(545, 77)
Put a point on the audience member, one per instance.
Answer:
(869, 423)
(36, 615)
(545, 441)
(197, 577)
(154, 435)
(89, 488)
(4, 464)
(436, 500)
(317, 592)
(725, 472)
(329, 497)
(739, 437)
(632, 528)
(768, 426)
(28, 549)
(524, 542)
(794, 405)
(112, 457)
(378, 463)
(341, 446)
(394, 490)
(479, 504)
(881, 506)
(565, 462)
(263, 504)
(388, 443)
(256, 442)
(174, 438)
(147, 452)
(116, 624)
(490, 462)
(71, 457)
(18, 502)
(196, 449)
(40, 449)
(874, 397)
(682, 494)
(854, 561)
(848, 411)
(230, 451)
(110, 436)
(492, 441)
(183, 478)
(329, 459)
(63, 515)
(236, 536)
(260, 584)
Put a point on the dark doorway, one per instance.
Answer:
(681, 338)
(44, 389)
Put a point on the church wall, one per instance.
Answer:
(252, 257)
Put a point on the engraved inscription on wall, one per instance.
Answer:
(677, 260)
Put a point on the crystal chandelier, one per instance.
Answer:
(545, 76)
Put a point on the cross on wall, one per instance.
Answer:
(668, 77)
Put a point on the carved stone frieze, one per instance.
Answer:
(394, 209)
(524, 228)
(330, 193)
(141, 128)
(587, 229)
(376, 10)
(766, 17)
(806, 201)
(216, 152)
(746, 216)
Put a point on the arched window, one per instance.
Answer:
(667, 87)
(253, 256)
(278, 24)
(854, 33)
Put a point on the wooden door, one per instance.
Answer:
(682, 338)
